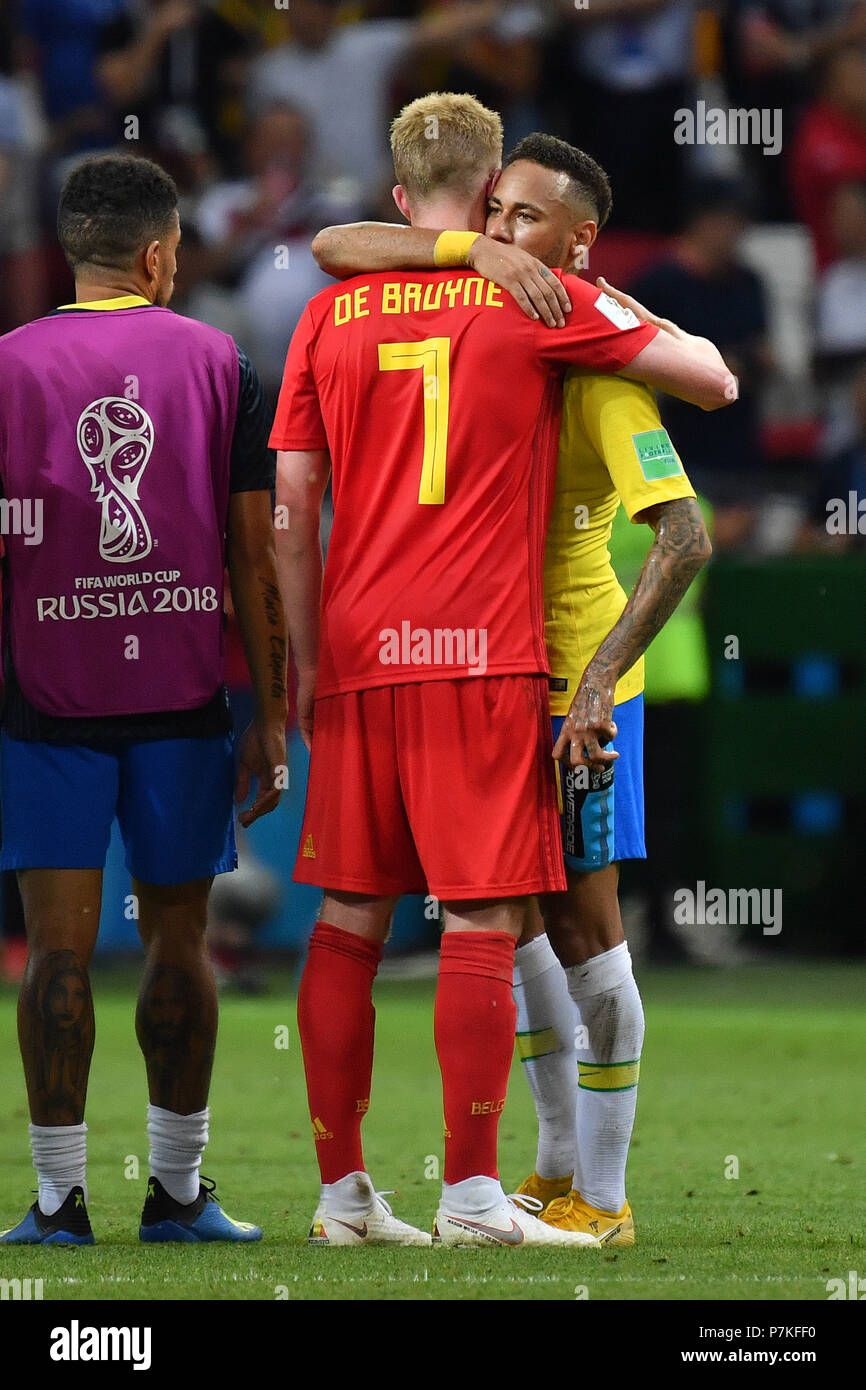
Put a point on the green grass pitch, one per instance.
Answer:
(763, 1065)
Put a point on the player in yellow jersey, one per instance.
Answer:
(580, 1018)
(613, 448)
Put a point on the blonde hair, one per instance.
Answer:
(445, 141)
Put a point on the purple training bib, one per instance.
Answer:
(116, 430)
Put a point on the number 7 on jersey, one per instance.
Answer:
(433, 358)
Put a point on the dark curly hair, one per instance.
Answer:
(111, 207)
(590, 182)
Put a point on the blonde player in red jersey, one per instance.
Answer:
(439, 404)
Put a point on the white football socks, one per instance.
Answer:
(546, 1020)
(472, 1196)
(176, 1145)
(610, 1009)
(60, 1159)
(353, 1195)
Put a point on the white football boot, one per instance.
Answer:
(508, 1221)
(366, 1219)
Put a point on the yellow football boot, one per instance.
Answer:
(545, 1190)
(572, 1213)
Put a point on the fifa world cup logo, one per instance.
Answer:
(115, 439)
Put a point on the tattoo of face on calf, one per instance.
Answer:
(173, 1027)
(57, 1037)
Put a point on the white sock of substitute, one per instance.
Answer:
(608, 1057)
(546, 1020)
(177, 1143)
(60, 1159)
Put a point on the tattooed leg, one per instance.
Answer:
(55, 1006)
(176, 1019)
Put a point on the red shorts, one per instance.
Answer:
(444, 786)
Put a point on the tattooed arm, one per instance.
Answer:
(680, 549)
(252, 565)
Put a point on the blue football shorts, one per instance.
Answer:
(602, 813)
(173, 799)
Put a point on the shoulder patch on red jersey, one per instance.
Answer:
(616, 312)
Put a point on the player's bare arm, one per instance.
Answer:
(252, 566)
(359, 248)
(302, 477)
(685, 366)
(690, 368)
(681, 548)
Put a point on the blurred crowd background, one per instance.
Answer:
(273, 118)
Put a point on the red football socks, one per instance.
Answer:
(336, 1019)
(474, 1030)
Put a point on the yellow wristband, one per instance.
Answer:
(452, 248)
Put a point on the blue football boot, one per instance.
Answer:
(164, 1219)
(69, 1225)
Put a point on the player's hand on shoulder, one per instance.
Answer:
(540, 294)
(639, 310)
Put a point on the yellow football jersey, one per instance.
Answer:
(612, 446)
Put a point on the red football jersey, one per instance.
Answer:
(440, 403)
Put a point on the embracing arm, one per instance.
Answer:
(681, 548)
(360, 248)
(685, 366)
(302, 477)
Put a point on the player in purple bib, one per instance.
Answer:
(133, 443)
